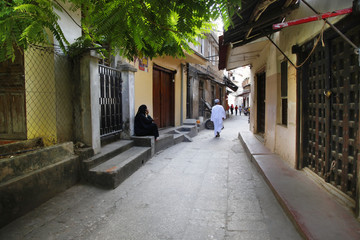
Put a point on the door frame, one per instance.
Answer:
(172, 95)
(260, 110)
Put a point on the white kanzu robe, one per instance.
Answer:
(217, 116)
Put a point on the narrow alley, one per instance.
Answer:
(205, 189)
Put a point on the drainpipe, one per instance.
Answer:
(182, 94)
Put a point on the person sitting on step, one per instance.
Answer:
(144, 124)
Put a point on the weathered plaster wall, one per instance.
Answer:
(286, 135)
(195, 98)
(63, 81)
(40, 96)
(278, 138)
(86, 102)
(144, 87)
(270, 111)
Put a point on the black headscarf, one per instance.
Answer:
(142, 109)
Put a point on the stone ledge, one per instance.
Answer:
(23, 194)
(313, 211)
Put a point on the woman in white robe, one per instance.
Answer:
(217, 117)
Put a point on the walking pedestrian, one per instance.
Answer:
(240, 109)
(218, 116)
(232, 109)
(236, 109)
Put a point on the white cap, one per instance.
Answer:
(216, 101)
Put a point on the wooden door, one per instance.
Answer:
(12, 99)
(261, 102)
(330, 98)
(163, 97)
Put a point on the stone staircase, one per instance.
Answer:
(31, 174)
(119, 159)
(30, 177)
(116, 162)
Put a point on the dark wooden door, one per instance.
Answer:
(163, 97)
(189, 96)
(331, 110)
(12, 99)
(201, 98)
(261, 102)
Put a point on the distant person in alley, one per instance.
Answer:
(218, 116)
(144, 124)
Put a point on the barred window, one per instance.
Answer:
(284, 94)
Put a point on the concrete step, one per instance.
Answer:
(178, 138)
(168, 137)
(107, 152)
(111, 173)
(19, 165)
(164, 141)
(25, 192)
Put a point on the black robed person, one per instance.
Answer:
(144, 124)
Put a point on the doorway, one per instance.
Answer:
(12, 99)
(330, 113)
(163, 97)
(261, 102)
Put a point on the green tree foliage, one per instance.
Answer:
(129, 27)
(27, 22)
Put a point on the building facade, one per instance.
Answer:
(304, 92)
(205, 82)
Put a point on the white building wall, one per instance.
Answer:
(69, 25)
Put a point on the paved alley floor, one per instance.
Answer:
(205, 189)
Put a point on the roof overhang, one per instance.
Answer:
(206, 76)
(252, 23)
(245, 55)
(245, 93)
(195, 58)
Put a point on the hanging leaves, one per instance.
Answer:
(130, 27)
